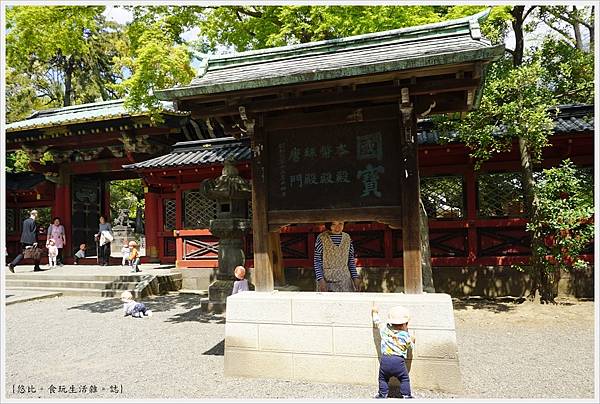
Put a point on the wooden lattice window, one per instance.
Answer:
(198, 210)
(443, 196)
(169, 214)
(11, 221)
(500, 195)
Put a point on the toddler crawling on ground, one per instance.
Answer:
(133, 308)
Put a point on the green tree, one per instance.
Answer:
(157, 56)
(67, 51)
(516, 106)
(126, 194)
(17, 162)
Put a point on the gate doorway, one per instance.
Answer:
(87, 196)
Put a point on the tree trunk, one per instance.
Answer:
(68, 84)
(577, 31)
(591, 29)
(425, 252)
(539, 278)
(517, 24)
(541, 281)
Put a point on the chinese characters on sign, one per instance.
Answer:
(67, 389)
(330, 167)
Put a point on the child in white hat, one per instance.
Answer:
(395, 342)
(133, 308)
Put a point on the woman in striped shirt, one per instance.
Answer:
(335, 267)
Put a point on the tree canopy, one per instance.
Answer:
(59, 55)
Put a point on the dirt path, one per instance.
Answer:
(526, 350)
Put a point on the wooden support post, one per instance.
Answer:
(471, 191)
(411, 240)
(276, 257)
(152, 211)
(263, 267)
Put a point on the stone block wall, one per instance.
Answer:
(484, 281)
(329, 337)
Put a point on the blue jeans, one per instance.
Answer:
(393, 366)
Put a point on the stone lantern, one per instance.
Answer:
(231, 192)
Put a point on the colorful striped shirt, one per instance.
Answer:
(318, 261)
(393, 342)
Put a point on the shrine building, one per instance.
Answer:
(300, 96)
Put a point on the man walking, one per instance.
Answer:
(28, 239)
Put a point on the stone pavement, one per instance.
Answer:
(506, 350)
(13, 296)
(154, 269)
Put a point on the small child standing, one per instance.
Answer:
(241, 284)
(134, 257)
(80, 253)
(52, 252)
(395, 342)
(125, 251)
(133, 308)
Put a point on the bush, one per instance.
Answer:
(564, 218)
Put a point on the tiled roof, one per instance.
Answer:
(448, 42)
(97, 111)
(571, 119)
(198, 153)
(574, 118)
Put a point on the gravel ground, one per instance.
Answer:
(506, 351)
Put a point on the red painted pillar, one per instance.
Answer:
(152, 212)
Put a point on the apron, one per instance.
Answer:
(56, 232)
(335, 264)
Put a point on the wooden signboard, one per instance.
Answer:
(339, 172)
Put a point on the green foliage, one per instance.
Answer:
(59, 55)
(17, 162)
(564, 218)
(514, 104)
(257, 27)
(156, 64)
(568, 72)
(126, 194)
(157, 56)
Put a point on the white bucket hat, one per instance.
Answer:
(398, 315)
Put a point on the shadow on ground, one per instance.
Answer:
(217, 350)
(190, 303)
(495, 306)
(196, 314)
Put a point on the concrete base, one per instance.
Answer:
(329, 337)
(197, 278)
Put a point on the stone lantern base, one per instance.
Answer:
(218, 291)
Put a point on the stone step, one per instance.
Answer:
(75, 292)
(68, 277)
(62, 283)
